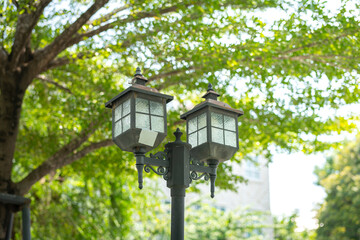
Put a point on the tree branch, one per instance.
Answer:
(332, 64)
(45, 55)
(16, 4)
(57, 62)
(25, 24)
(108, 16)
(141, 15)
(45, 79)
(88, 149)
(318, 43)
(3, 55)
(170, 73)
(55, 163)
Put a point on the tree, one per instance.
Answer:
(285, 228)
(339, 214)
(60, 63)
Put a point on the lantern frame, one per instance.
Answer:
(135, 139)
(211, 150)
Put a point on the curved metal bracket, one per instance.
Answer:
(195, 176)
(209, 172)
(162, 171)
(159, 159)
(159, 155)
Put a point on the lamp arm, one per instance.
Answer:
(202, 169)
(159, 159)
(208, 171)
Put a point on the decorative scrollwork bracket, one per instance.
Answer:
(208, 172)
(159, 159)
(195, 176)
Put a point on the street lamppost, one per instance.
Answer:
(139, 125)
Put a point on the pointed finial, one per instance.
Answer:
(211, 94)
(138, 72)
(139, 78)
(178, 135)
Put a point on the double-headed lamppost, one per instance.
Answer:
(139, 125)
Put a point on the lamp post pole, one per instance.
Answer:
(179, 180)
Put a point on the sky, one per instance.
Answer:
(292, 187)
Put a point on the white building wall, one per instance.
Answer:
(255, 194)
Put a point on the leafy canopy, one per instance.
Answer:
(339, 214)
(290, 75)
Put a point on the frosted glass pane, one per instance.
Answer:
(156, 108)
(202, 120)
(126, 123)
(230, 138)
(229, 123)
(142, 105)
(217, 120)
(192, 125)
(217, 135)
(117, 112)
(202, 136)
(157, 124)
(142, 121)
(193, 139)
(126, 107)
(117, 129)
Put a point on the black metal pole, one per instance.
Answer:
(10, 226)
(177, 213)
(179, 180)
(26, 223)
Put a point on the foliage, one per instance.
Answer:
(285, 228)
(290, 76)
(203, 221)
(339, 214)
(95, 203)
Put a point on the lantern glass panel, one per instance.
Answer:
(142, 105)
(118, 111)
(156, 108)
(197, 132)
(217, 120)
(126, 108)
(121, 118)
(217, 135)
(193, 139)
(229, 123)
(142, 121)
(117, 129)
(230, 138)
(157, 124)
(126, 123)
(202, 136)
(192, 125)
(202, 121)
(223, 129)
(149, 115)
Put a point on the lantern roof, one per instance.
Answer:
(211, 101)
(138, 85)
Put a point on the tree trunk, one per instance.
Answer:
(11, 98)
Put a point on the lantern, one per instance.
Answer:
(212, 129)
(139, 116)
